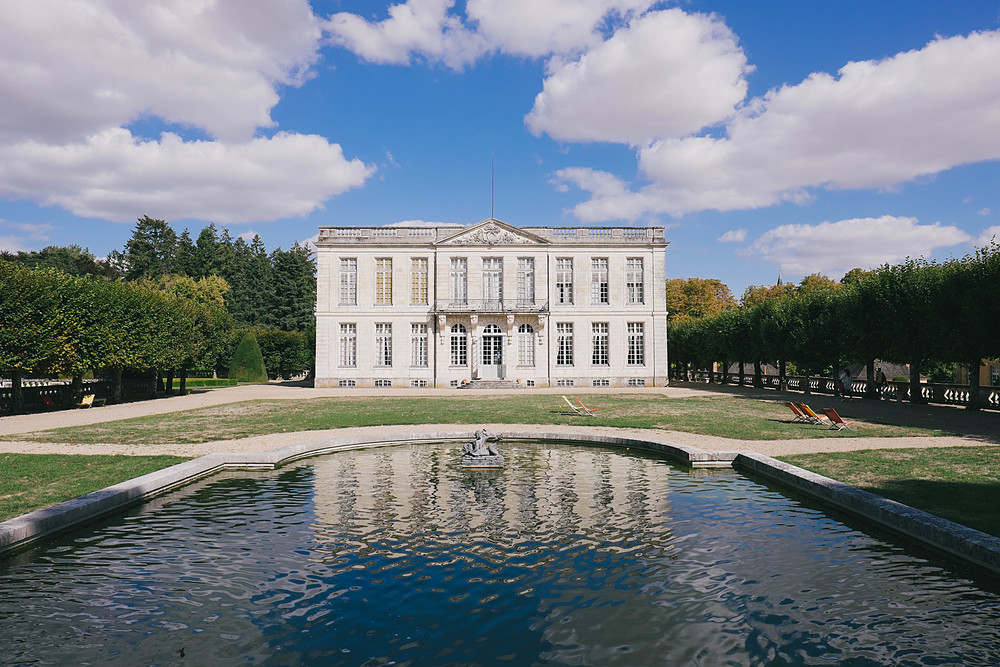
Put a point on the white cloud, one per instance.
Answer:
(74, 76)
(667, 75)
(30, 235)
(733, 236)
(989, 235)
(115, 176)
(875, 125)
(423, 27)
(833, 248)
(983, 211)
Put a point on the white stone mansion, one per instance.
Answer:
(542, 306)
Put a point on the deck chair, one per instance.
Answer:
(87, 401)
(589, 411)
(799, 416)
(573, 407)
(810, 415)
(836, 421)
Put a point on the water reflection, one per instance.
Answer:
(569, 555)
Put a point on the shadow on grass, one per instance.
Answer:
(972, 504)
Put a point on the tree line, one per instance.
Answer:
(917, 313)
(163, 305)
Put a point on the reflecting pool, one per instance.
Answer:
(568, 555)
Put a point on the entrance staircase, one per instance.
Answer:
(491, 384)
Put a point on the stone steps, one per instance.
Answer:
(491, 384)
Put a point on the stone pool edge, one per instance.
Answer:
(966, 543)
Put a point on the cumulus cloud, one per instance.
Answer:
(75, 76)
(432, 30)
(875, 125)
(733, 236)
(25, 234)
(113, 174)
(989, 235)
(667, 74)
(833, 248)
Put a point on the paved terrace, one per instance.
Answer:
(977, 427)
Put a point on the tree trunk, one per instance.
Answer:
(871, 390)
(76, 393)
(725, 371)
(916, 396)
(743, 374)
(16, 391)
(170, 383)
(182, 391)
(806, 387)
(974, 399)
(782, 378)
(711, 372)
(116, 386)
(758, 380)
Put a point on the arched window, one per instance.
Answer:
(525, 345)
(459, 345)
(491, 330)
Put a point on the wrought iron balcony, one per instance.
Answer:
(492, 306)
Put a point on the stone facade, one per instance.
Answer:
(541, 306)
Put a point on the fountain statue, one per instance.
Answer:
(480, 454)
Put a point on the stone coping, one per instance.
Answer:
(970, 545)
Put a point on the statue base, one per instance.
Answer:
(469, 461)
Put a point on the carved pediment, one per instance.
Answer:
(492, 232)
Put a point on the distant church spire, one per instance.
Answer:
(779, 276)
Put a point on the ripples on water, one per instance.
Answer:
(569, 555)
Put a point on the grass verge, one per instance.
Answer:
(725, 416)
(32, 481)
(961, 484)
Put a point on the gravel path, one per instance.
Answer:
(11, 426)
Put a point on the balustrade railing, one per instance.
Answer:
(931, 392)
(492, 306)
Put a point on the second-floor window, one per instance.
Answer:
(383, 281)
(418, 281)
(564, 280)
(526, 279)
(348, 281)
(492, 279)
(459, 279)
(599, 280)
(633, 280)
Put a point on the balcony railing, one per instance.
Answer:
(492, 306)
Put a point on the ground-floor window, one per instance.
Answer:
(349, 345)
(459, 345)
(600, 335)
(418, 344)
(564, 344)
(383, 344)
(636, 344)
(525, 345)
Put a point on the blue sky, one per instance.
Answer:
(814, 136)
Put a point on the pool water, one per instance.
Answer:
(568, 555)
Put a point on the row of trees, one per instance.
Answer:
(914, 313)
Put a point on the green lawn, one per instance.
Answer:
(958, 483)
(31, 481)
(726, 416)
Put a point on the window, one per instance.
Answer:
(383, 383)
(383, 281)
(636, 382)
(418, 344)
(459, 279)
(348, 281)
(459, 345)
(347, 383)
(564, 344)
(418, 281)
(600, 334)
(633, 280)
(564, 280)
(565, 383)
(349, 345)
(995, 375)
(525, 345)
(526, 280)
(418, 383)
(383, 344)
(603, 382)
(529, 383)
(492, 279)
(599, 280)
(636, 344)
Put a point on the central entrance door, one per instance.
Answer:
(491, 366)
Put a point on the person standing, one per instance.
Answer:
(845, 383)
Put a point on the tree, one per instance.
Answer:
(815, 281)
(697, 297)
(71, 259)
(294, 288)
(151, 251)
(755, 294)
(247, 364)
(205, 256)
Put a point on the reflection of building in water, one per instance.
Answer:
(409, 492)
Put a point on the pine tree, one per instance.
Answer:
(205, 255)
(294, 288)
(151, 251)
(184, 255)
(247, 364)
